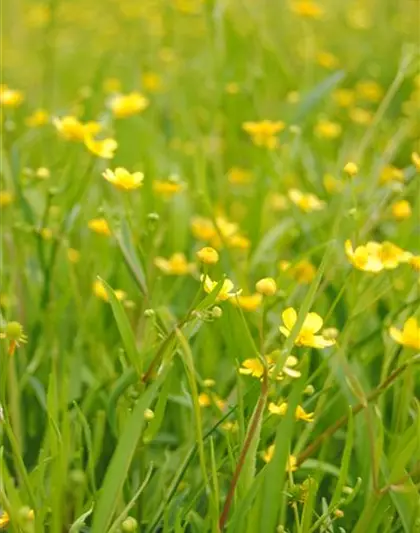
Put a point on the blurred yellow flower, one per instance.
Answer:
(176, 265)
(100, 226)
(4, 520)
(103, 148)
(326, 129)
(129, 104)
(73, 255)
(278, 202)
(414, 262)
(6, 198)
(307, 8)
(360, 116)
(264, 133)
(204, 400)
(344, 97)
(281, 410)
(208, 255)
(266, 286)
(401, 210)
(39, 117)
(238, 241)
(203, 228)
(152, 82)
(365, 257)
(391, 255)
(248, 303)
(390, 174)
(369, 90)
(351, 168)
(332, 184)
(254, 367)
(225, 292)
(100, 292)
(71, 128)
(123, 179)
(232, 88)
(291, 462)
(239, 176)
(111, 85)
(10, 97)
(327, 60)
(167, 188)
(303, 271)
(415, 158)
(307, 334)
(306, 202)
(410, 334)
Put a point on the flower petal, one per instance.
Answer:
(289, 317)
(312, 323)
(396, 334)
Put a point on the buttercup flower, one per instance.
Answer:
(307, 334)
(38, 118)
(4, 520)
(306, 202)
(100, 292)
(351, 168)
(6, 198)
(308, 9)
(344, 97)
(152, 82)
(414, 262)
(103, 148)
(390, 174)
(71, 128)
(129, 104)
(13, 332)
(73, 255)
(176, 265)
(249, 303)
(203, 228)
(281, 409)
(122, 179)
(167, 188)
(360, 116)
(100, 226)
(291, 462)
(225, 292)
(10, 97)
(401, 210)
(264, 133)
(254, 367)
(208, 255)
(266, 286)
(369, 90)
(327, 129)
(365, 257)
(239, 176)
(327, 59)
(391, 255)
(415, 158)
(303, 272)
(410, 334)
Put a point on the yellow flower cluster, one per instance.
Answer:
(375, 257)
(220, 233)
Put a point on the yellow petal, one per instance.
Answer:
(284, 330)
(321, 342)
(396, 334)
(313, 323)
(289, 317)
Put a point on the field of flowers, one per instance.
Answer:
(210, 256)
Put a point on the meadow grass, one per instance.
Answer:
(221, 335)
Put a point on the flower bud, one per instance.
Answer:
(216, 312)
(130, 524)
(351, 169)
(208, 255)
(266, 286)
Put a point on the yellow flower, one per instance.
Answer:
(203, 228)
(307, 334)
(326, 129)
(204, 400)
(360, 116)
(344, 97)
(103, 148)
(332, 184)
(4, 520)
(39, 117)
(208, 255)
(291, 462)
(73, 255)
(327, 60)
(366, 257)
(391, 174)
(239, 176)
(100, 292)
(6, 198)
(263, 133)
(152, 82)
(100, 226)
(238, 241)
(176, 265)
(167, 188)
(351, 168)
(392, 255)
(415, 158)
(252, 367)
(414, 262)
(410, 334)
(307, 8)
(303, 272)
(10, 97)
(306, 202)
(248, 303)
(148, 414)
(111, 85)
(255, 367)
(401, 210)
(122, 179)
(278, 201)
(266, 286)
(13, 332)
(281, 410)
(127, 105)
(72, 129)
(369, 90)
(232, 88)
(225, 292)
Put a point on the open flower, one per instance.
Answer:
(13, 332)
(392, 255)
(225, 292)
(10, 97)
(122, 179)
(365, 257)
(71, 128)
(100, 226)
(291, 462)
(100, 292)
(307, 334)
(255, 367)
(306, 202)
(38, 118)
(264, 133)
(104, 148)
(4, 520)
(281, 410)
(410, 334)
(126, 105)
(176, 265)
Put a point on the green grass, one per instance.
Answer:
(109, 422)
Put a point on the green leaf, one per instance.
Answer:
(118, 468)
(80, 522)
(345, 461)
